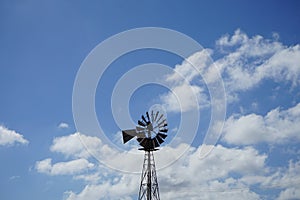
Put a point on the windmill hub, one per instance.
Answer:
(149, 129)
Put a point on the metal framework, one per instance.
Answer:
(149, 186)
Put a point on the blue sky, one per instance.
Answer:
(255, 46)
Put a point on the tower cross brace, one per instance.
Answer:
(149, 186)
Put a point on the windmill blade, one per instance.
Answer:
(162, 135)
(149, 144)
(144, 119)
(159, 139)
(140, 140)
(164, 130)
(156, 116)
(152, 116)
(146, 143)
(148, 117)
(155, 142)
(141, 123)
(160, 117)
(161, 123)
(128, 135)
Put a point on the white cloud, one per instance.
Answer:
(185, 84)
(192, 67)
(119, 188)
(212, 177)
(78, 145)
(89, 178)
(283, 66)
(74, 145)
(63, 168)
(14, 178)
(285, 179)
(69, 145)
(277, 126)
(290, 193)
(186, 98)
(63, 125)
(185, 178)
(245, 63)
(237, 39)
(10, 137)
(248, 61)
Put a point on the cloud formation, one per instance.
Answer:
(186, 176)
(244, 63)
(63, 125)
(230, 172)
(10, 137)
(248, 61)
(277, 126)
(187, 91)
(63, 168)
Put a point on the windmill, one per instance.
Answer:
(150, 133)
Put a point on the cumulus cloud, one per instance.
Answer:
(63, 168)
(185, 178)
(248, 61)
(183, 98)
(10, 137)
(284, 179)
(213, 176)
(91, 178)
(245, 63)
(187, 91)
(277, 126)
(78, 145)
(73, 145)
(192, 67)
(123, 187)
(290, 193)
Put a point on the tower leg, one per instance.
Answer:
(149, 185)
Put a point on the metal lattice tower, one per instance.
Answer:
(149, 186)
